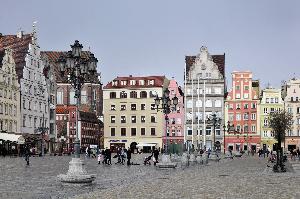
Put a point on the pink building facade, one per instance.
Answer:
(175, 125)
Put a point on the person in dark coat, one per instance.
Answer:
(27, 154)
(128, 156)
(155, 154)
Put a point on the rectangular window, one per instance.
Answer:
(246, 95)
(208, 130)
(238, 117)
(218, 90)
(218, 132)
(123, 107)
(253, 128)
(112, 132)
(267, 101)
(265, 110)
(72, 97)
(152, 131)
(143, 107)
(123, 119)
(246, 88)
(123, 131)
(59, 97)
(152, 106)
(133, 119)
(143, 119)
(246, 116)
(153, 119)
(190, 132)
(253, 116)
(112, 107)
(143, 131)
(112, 119)
(253, 105)
(133, 107)
(133, 131)
(245, 106)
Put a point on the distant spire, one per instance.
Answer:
(34, 31)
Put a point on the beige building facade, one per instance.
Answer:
(130, 115)
(9, 94)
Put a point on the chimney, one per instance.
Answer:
(20, 34)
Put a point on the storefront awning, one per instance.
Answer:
(12, 137)
(145, 144)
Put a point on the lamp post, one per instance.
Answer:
(166, 104)
(227, 129)
(43, 130)
(77, 69)
(214, 120)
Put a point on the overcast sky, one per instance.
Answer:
(135, 37)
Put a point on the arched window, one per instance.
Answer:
(133, 94)
(72, 97)
(143, 94)
(59, 96)
(112, 95)
(199, 103)
(123, 94)
(208, 103)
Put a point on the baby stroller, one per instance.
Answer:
(147, 160)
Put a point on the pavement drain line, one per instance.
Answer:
(223, 175)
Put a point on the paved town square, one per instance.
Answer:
(245, 177)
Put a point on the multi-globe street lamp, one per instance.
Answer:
(166, 104)
(214, 120)
(77, 69)
(227, 129)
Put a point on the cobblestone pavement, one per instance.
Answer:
(247, 177)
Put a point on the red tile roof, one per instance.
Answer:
(61, 110)
(53, 56)
(218, 59)
(20, 48)
(158, 82)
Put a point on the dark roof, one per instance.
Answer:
(88, 117)
(218, 59)
(19, 47)
(158, 82)
(53, 56)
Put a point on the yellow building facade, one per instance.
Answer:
(130, 115)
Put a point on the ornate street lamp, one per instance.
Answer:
(166, 104)
(227, 129)
(214, 120)
(42, 129)
(77, 69)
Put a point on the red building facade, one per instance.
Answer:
(241, 108)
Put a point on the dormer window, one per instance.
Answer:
(151, 82)
(123, 82)
(132, 82)
(115, 83)
(141, 82)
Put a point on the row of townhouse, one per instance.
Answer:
(244, 108)
(37, 101)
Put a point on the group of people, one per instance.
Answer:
(122, 153)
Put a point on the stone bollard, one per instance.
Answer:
(205, 159)
(184, 161)
(199, 159)
(192, 159)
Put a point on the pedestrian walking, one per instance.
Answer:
(128, 156)
(27, 154)
(123, 155)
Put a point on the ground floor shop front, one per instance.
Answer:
(136, 144)
(241, 143)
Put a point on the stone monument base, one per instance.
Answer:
(76, 173)
(166, 162)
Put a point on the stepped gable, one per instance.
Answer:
(158, 82)
(20, 47)
(53, 56)
(218, 59)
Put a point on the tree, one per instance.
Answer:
(280, 122)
